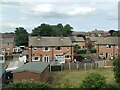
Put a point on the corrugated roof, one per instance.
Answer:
(14, 65)
(37, 67)
(50, 41)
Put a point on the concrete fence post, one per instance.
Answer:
(69, 65)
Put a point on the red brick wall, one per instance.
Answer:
(19, 76)
(40, 52)
(103, 49)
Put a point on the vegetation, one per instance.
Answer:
(21, 37)
(114, 33)
(76, 48)
(52, 30)
(75, 77)
(27, 85)
(94, 80)
(116, 69)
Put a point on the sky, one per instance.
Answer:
(82, 15)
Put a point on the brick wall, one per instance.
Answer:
(26, 75)
(51, 53)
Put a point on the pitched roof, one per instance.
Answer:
(50, 41)
(75, 38)
(8, 35)
(14, 65)
(105, 40)
(37, 67)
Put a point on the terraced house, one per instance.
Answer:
(47, 49)
(107, 47)
(8, 42)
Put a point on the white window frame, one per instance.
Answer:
(57, 49)
(34, 48)
(68, 57)
(46, 59)
(33, 58)
(46, 50)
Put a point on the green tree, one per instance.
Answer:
(76, 48)
(67, 30)
(42, 30)
(52, 30)
(116, 69)
(21, 36)
(94, 80)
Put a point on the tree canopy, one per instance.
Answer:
(21, 36)
(52, 30)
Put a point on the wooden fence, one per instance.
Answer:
(81, 65)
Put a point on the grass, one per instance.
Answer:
(75, 77)
(85, 55)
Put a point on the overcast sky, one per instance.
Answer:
(82, 15)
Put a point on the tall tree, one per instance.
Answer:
(111, 32)
(21, 36)
(52, 30)
(67, 30)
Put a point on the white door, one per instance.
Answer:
(46, 59)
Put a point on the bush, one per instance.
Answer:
(116, 69)
(93, 50)
(94, 80)
(27, 85)
(81, 52)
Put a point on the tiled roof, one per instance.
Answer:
(75, 38)
(50, 41)
(105, 40)
(37, 67)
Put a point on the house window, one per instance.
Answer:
(108, 46)
(34, 48)
(3, 49)
(36, 58)
(67, 56)
(46, 59)
(46, 49)
(60, 58)
(58, 48)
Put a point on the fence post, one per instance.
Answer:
(77, 66)
(91, 65)
(69, 65)
(85, 65)
(50, 67)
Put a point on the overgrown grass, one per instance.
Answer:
(75, 77)
(85, 55)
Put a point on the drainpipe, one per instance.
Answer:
(31, 52)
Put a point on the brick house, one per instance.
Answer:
(98, 33)
(36, 71)
(47, 49)
(107, 47)
(8, 42)
(78, 40)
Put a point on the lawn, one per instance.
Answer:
(75, 77)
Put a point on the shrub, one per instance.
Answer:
(93, 50)
(81, 52)
(94, 80)
(27, 85)
(116, 69)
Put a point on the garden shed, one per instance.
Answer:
(36, 71)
